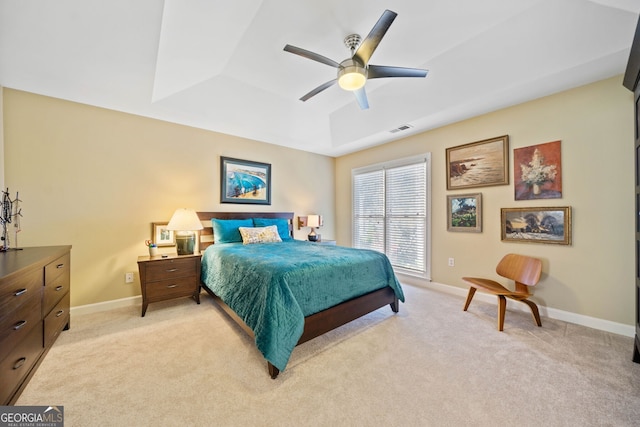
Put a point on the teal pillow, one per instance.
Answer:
(226, 230)
(281, 223)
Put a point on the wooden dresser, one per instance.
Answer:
(34, 309)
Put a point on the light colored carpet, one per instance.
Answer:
(429, 365)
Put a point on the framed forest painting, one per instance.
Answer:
(536, 225)
(464, 213)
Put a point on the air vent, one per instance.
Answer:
(400, 128)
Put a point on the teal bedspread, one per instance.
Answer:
(273, 286)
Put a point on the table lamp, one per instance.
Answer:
(313, 221)
(185, 222)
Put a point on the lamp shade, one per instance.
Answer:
(184, 220)
(313, 221)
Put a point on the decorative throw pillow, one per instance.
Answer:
(259, 234)
(281, 223)
(226, 230)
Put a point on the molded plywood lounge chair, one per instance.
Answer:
(523, 270)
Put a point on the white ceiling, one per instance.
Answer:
(220, 65)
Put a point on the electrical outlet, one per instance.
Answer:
(128, 277)
(451, 262)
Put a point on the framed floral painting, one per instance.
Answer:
(538, 171)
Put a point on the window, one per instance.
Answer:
(391, 212)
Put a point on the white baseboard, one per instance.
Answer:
(107, 305)
(552, 313)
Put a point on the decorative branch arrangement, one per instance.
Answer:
(10, 212)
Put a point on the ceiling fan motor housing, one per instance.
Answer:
(352, 75)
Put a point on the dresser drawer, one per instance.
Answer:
(15, 325)
(56, 320)
(170, 269)
(171, 288)
(14, 293)
(56, 288)
(18, 363)
(56, 268)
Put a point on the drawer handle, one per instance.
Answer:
(171, 270)
(19, 325)
(60, 266)
(59, 288)
(19, 363)
(172, 286)
(20, 292)
(60, 313)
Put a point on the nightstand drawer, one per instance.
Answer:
(171, 268)
(19, 362)
(15, 326)
(171, 288)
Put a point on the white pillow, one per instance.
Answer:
(259, 234)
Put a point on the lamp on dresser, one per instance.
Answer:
(185, 223)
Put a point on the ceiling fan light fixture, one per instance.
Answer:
(351, 75)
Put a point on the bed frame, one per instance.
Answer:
(316, 324)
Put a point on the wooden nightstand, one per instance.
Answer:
(171, 277)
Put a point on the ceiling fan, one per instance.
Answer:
(353, 72)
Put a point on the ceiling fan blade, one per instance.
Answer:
(370, 43)
(361, 97)
(311, 55)
(380, 71)
(319, 89)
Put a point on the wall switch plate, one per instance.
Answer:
(128, 277)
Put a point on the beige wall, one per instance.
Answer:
(1, 141)
(594, 276)
(96, 179)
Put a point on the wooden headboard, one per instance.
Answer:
(206, 234)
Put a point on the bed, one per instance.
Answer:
(286, 293)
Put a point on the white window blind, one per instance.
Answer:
(391, 212)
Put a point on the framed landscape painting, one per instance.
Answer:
(536, 225)
(244, 181)
(478, 164)
(464, 213)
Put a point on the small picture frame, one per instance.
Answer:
(478, 164)
(464, 213)
(550, 225)
(244, 181)
(161, 236)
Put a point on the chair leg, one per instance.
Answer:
(502, 308)
(470, 295)
(534, 310)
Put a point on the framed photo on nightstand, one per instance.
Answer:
(161, 236)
